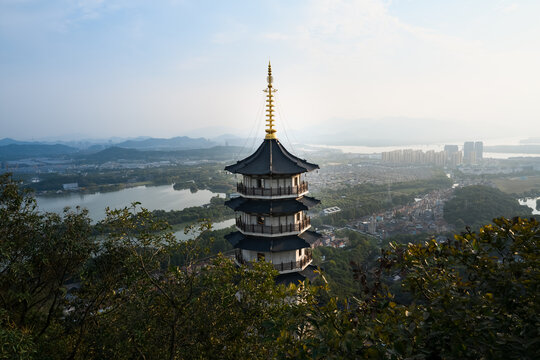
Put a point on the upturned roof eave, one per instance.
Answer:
(274, 207)
(276, 244)
(271, 158)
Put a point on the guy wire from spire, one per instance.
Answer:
(253, 131)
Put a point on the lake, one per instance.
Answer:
(162, 197)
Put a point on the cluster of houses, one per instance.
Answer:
(425, 215)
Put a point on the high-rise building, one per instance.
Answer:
(452, 157)
(271, 210)
(411, 156)
(456, 159)
(469, 155)
(451, 149)
(479, 151)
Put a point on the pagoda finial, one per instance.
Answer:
(270, 131)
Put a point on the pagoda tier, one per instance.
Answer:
(271, 158)
(272, 244)
(271, 207)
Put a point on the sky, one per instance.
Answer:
(417, 69)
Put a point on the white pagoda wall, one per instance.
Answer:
(274, 257)
(271, 183)
(274, 220)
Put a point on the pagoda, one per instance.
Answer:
(271, 220)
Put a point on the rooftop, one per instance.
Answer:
(271, 158)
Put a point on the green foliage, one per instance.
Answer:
(476, 295)
(361, 249)
(126, 299)
(407, 238)
(164, 311)
(215, 212)
(15, 343)
(39, 254)
(215, 242)
(477, 205)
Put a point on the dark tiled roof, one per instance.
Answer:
(271, 158)
(272, 244)
(295, 277)
(274, 207)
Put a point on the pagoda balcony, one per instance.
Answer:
(276, 191)
(283, 266)
(259, 229)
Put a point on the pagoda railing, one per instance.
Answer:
(283, 266)
(273, 229)
(277, 191)
(291, 265)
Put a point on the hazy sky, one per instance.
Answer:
(100, 68)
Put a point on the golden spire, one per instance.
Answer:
(270, 131)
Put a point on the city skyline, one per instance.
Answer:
(97, 69)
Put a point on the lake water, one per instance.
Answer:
(162, 197)
(530, 202)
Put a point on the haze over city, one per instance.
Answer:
(367, 69)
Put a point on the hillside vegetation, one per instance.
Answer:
(477, 205)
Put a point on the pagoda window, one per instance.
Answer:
(296, 181)
(259, 183)
(260, 220)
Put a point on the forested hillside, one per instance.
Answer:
(478, 205)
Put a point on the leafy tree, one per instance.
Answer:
(197, 310)
(39, 255)
(126, 298)
(474, 296)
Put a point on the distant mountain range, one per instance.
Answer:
(140, 148)
(175, 143)
(216, 153)
(22, 151)
(9, 141)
